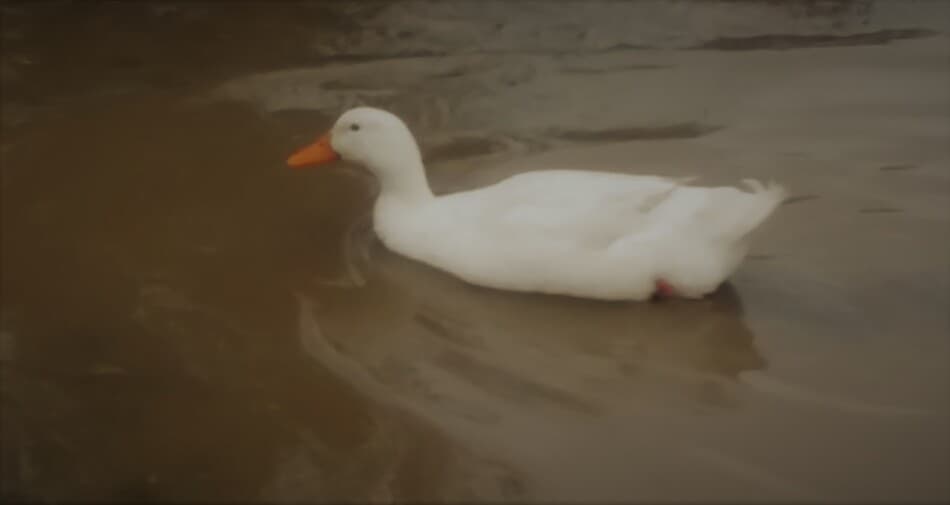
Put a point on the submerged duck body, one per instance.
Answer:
(580, 233)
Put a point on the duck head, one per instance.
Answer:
(364, 135)
(377, 140)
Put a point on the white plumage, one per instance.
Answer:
(581, 233)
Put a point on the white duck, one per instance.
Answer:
(570, 232)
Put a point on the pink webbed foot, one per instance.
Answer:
(664, 290)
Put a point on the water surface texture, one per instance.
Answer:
(183, 318)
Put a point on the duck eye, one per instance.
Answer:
(355, 127)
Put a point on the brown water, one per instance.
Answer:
(183, 318)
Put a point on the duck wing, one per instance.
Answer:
(588, 209)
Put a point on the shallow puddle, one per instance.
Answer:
(183, 318)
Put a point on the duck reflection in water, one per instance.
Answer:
(416, 336)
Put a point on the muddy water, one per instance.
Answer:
(183, 318)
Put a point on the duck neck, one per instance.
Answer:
(405, 181)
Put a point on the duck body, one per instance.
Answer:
(588, 234)
(599, 235)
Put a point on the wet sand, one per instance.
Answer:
(185, 319)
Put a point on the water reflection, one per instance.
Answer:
(414, 321)
(484, 366)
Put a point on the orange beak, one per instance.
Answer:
(318, 153)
